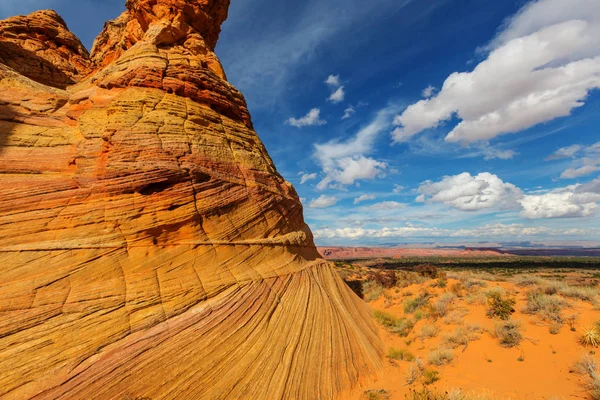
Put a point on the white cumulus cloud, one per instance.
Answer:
(576, 201)
(345, 162)
(311, 119)
(540, 67)
(471, 193)
(323, 202)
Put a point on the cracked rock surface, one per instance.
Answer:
(148, 246)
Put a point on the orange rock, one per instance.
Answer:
(148, 246)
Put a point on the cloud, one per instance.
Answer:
(540, 67)
(349, 112)
(387, 205)
(587, 160)
(489, 231)
(311, 119)
(348, 170)
(344, 162)
(565, 152)
(323, 202)
(337, 96)
(428, 91)
(572, 173)
(398, 188)
(576, 201)
(334, 81)
(471, 193)
(364, 197)
(492, 154)
(307, 177)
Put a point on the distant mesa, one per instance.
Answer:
(148, 246)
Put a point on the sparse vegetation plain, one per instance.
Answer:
(443, 318)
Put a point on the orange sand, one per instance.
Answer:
(544, 373)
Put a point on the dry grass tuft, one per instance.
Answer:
(462, 336)
(400, 355)
(400, 326)
(588, 367)
(440, 357)
(428, 331)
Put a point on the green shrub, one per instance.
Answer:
(499, 306)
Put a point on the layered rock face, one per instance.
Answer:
(148, 246)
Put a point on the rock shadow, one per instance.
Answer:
(29, 64)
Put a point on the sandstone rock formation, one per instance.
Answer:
(148, 246)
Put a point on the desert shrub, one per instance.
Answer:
(442, 305)
(372, 291)
(508, 333)
(580, 293)
(428, 331)
(440, 357)
(548, 307)
(553, 287)
(385, 278)
(590, 337)
(455, 317)
(430, 376)
(555, 328)
(409, 278)
(400, 354)
(462, 335)
(458, 289)
(571, 320)
(415, 372)
(411, 305)
(426, 394)
(500, 306)
(429, 271)
(442, 283)
(587, 366)
(376, 394)
(527, 280)
(400, 326)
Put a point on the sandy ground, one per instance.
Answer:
(484, 367)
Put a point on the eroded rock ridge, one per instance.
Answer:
(148, 246)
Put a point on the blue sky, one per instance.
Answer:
(417, 121)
